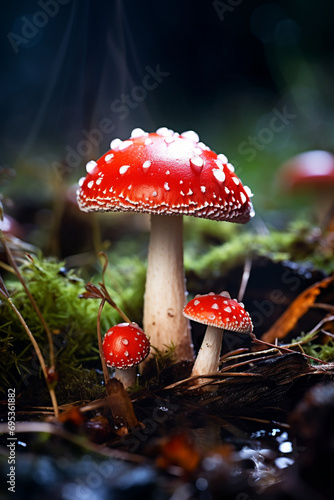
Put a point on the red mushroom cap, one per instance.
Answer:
(125, 345)
(220, 311)
(307, 169)
(165, 173)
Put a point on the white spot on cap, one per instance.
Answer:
(166, 186)
(236, 180)
(123, 169)
(230, 167)
(81, 181)
(148, 141)
(190, 134)
(196, 302)
(228, 309)
(215, 306)
(154, 193)
(115, 143)
(146, 164)
(169, 139)
(164, 131)
(108, 157)
(167, 172)
(90, 166)
(219, 164)
(198, 151)
(248, 191)
(137, 132)
(227, 191)
(197, 161)
(190, 192)
(203, 189)
(90, 184)
(125, 341)
(125, 144)
(99, 180)
(219, 174)
(126, 353)
(243, 197)
(222, 158)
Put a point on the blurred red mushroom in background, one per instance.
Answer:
(13, 233)
(312, 173)
(8, 225)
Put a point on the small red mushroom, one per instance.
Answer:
(167, 175)
(124, 346)
(220, 313)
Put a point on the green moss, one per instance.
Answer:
(298, 243)
(71, 320)
(164, 358)
(325, 352)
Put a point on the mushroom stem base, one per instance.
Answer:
(207, 360)
(165, 294)
(127, 377)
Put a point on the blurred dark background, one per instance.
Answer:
(254, 79)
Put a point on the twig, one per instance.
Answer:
(327, 333)
(319, 325)
(230, 354)
(49, 428)
(263, 421)
(286, 349)
(243, 363)
(99, 340)
(30, 297)
(320, 305)
(94, 292)
(245, 278)
(38, 354)
(6, 267)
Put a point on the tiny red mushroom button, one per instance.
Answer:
(125, 345)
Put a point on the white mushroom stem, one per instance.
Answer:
(165, 294)
(207, 360)
(128, 377)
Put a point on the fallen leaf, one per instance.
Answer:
(295, 311)
(178, 450)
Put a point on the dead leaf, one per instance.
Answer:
(121, 407)
(295, 311)
(178, 450)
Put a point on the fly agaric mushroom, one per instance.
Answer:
(220, 313)
(313, 173)
(166, 175)
(124, 346)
